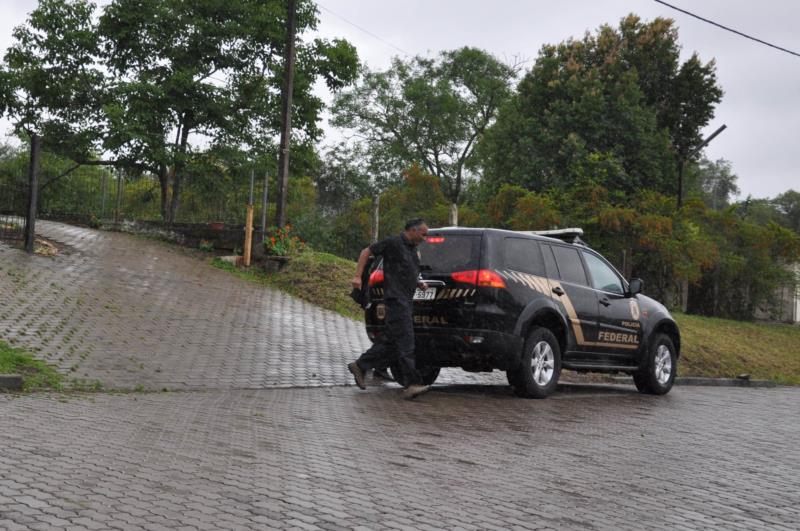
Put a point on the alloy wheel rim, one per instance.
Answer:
(663, 364)
(543, 363)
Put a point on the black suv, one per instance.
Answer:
(530, 304)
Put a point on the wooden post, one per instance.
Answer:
(248, 227)
(33, 192)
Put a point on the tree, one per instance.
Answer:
(153, 81)
(614, 108)
(340, 181)
(50, 84)
(788, 203)
(714, 182)
(208, 68)
(430, 112)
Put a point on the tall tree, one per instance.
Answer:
(714, 182)
(187, 70)
(430, 112)
(152, 81)
(788, 203)
(50, 82)
(616, 108)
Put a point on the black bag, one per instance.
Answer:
(361, 296)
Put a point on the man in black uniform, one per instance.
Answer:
(401, 279)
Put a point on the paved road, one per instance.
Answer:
(467, 457)
(264, 434)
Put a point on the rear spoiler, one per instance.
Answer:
(565, 235)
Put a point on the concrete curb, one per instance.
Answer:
(724, 382)
(710, 382)
(10, 382)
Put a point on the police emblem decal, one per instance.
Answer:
(380, 312)
(634, 309)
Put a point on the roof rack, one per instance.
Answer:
(571, 235)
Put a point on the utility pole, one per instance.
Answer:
(33, 192)
(286, 117)
(690, 156)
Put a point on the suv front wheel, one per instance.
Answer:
(540, 366)
(658, 374)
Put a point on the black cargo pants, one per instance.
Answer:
(396, 346)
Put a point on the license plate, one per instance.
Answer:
(427, 295)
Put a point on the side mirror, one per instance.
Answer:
(635, 286)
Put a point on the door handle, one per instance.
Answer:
(604, 301)
(558, 291)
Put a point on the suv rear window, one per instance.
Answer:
(446, 254)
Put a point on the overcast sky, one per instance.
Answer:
(761, 104)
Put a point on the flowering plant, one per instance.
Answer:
(280, 242)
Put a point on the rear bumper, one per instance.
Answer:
(470, 349)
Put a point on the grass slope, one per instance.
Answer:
(711, 347)
(724, 348)
(320, 278)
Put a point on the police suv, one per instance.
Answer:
(530, 304)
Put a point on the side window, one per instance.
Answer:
(550, 262)
(603, 277)
(523, 254)
(570, 265)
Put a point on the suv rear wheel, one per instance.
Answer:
(659, 373)
(540, 366)
(428, 373)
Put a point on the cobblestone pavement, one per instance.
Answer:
(263, 433)
(466, 457)
(133, 312)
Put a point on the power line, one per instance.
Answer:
(727, 28)
(384, 41)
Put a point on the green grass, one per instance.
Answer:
(319, 278)
(36, 374)
(724, 348)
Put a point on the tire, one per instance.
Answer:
(540, 366)
(659, 372)
(428, 373)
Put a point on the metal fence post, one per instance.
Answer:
(104, 183)
(118, 207)
(33, 192)
(264, 206)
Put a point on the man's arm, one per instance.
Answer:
(362, 263)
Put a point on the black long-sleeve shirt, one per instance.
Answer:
(400, 266)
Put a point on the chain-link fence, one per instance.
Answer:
(109, 196)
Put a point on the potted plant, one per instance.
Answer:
(280, 245)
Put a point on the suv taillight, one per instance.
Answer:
(376, 277)
(479, 277)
